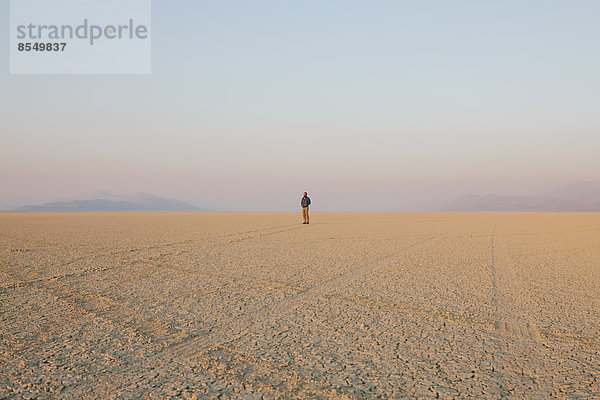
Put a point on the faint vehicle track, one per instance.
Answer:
(104, 307)
(262, 229)
(518, 336)
(242, 364)
(155, 261)
(512, 317)
(113, 310)
(24, 283)
(263, 233)
(195, 346)
(177, 343)
(44, 243)
(297, 320)
(592, 341)
(120, 262)
(224, 239)
(409, 308)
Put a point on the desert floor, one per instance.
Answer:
(364, 305)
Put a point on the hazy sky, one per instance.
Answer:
(375, 105)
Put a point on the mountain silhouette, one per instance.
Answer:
(580, 196)
(103, 201)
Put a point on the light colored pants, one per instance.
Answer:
(305, 214)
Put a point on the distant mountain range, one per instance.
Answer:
(103, 201)
(580, 196)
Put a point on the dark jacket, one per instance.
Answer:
(305, 202)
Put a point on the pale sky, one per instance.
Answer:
(379, 105)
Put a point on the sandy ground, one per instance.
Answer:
(260, 306)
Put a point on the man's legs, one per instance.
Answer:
(305, 215)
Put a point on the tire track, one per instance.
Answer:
(120, 262)
(223, 238)
(512, 318)
(260, 230)
(520, 352)
(409, 308)
(260, 235)
(55, 278)
(178, 345)
(106, 308)
(245, 278)
(44, 243)
(267, 377)
(193, 347)
(591, 341)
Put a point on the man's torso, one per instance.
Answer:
(305, 202)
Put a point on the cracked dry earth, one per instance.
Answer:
(253, 306)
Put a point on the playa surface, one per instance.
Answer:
(354, 305)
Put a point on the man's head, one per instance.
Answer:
(305, 193)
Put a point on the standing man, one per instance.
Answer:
(305, 202)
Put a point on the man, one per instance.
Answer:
(305, 202)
